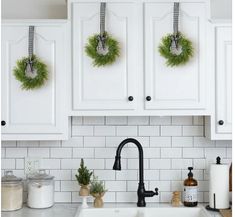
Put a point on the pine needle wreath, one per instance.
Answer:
(28, 82)
(174, 59)
(100, 59)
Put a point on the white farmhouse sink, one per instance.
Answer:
(143, 212)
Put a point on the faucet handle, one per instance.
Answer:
(156, 191)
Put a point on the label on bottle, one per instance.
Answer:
(190, 193)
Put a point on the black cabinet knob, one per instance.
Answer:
(148, 98)
(3, 123)
(221, 122)
(130, 98)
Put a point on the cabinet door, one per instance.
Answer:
(179, 87)
(223, 80)
(107, 87)
(34, 114)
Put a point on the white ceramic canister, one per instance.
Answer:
(40, 190)
(12, 192)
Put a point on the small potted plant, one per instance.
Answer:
(97, 190)
(84, 179)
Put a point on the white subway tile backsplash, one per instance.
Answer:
(105, 152)
(104, 131)
(93, 120)
(8, 164)
(94, 141)
(49, 144)
(160, 164)
(63, 197)
(3, 152)
(135, 120)
(193, 153)
(212, 153)
(151, 174)
(198, 120)
(61, 174)
(165, 197)
(163, 120)
(16, 152)
(76, 120)
(170, 175)
(25, 143)
(171, 152)
(82, 130)
(127, 131)
(193, 131)
(73, 142)
(19, 163)
(182, 120)
(160, 141)
(203, 142)
(50, 163)
(134, 164)
(123, 197)
(119, 120)
(69, 186)
(182, 141)
(171, 130)
(116, 185)
(181, 163)
(149, 130)
(105, 174)
(61, 153)
(39, 152)
(161, 185)
(126, 175)
(114, 141)
(170, 144)
(83, 153)
(132, 185)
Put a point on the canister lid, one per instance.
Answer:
(41, 175)
(9, 177)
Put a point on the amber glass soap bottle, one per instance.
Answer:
(190, 190)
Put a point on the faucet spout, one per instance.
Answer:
(141, 192)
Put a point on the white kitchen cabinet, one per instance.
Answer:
(108, 87)
(219, 125)
(178, 87)
(140, 71)
(39, 114)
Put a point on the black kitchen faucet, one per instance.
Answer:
(141, 192)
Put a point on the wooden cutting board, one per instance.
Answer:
(226, 212)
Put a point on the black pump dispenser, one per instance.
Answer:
(190, 174)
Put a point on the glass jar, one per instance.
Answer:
(40, 190)
(12, 192)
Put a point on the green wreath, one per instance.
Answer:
(176, 59)
(102, 59)
(31, 82)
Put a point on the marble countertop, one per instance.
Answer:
(69, 210)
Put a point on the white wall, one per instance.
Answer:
(57, 9)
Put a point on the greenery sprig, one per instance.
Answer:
(176, 59)
(97, 187)
(29, 82)
(102, 59)
(84, 175)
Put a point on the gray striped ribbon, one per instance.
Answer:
(175, 49)
(29, 67)
(101, 48)
(176, 18)
(102, 18)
